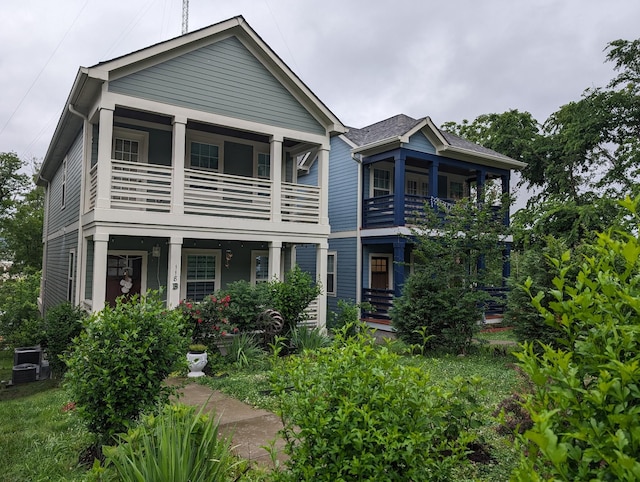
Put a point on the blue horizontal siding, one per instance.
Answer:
(223, 78)
(343, 187)
(346, 271)
(59, 217)
(57, 269)
(419, 142)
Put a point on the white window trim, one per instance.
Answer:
(207, 252)
(72, 263)
(389, 169)
(390, 265)
(204, 138)
(141, 137)
(335, 272)
(254, 254)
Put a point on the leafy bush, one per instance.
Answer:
(207, 320)
(243, 350)
(20, 320)
(62, 324)
(177, 444)
(353, 412)
(303, 338)
(292, 296)
(119, 362)
(436, 318)
(348, 314)
(533, 264)
(247, 302)
(586, 402)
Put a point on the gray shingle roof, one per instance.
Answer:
(400, 124)
(461, 142)
(391, 127)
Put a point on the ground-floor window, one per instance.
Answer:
(259, 266)
(332, 258)
(201, 274)
(71, 277)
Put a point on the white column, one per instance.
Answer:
(275, 158)
(275, 258)
(323, 184)
(178, 153)
(100, 248)
(174, 270)
(321, 275)
(105, 140)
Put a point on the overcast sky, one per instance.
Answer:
(365, 59)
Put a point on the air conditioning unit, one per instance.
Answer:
(24, 373)
(27, 354)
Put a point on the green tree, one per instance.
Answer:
(22, 231)
(13, 183)
(457, 250)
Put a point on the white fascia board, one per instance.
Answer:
(168, 45)
(379, 232)
(348, 141)
(434, 134)
(380, 143)
(331, 122)
(407, 135)
(493, 161)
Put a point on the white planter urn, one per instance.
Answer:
(197, 362)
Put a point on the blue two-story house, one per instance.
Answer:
(379, 177)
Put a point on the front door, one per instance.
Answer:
(380, 272)
(124, 276)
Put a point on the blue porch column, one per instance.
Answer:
(398, 266)
(398, 190)
(433, 179)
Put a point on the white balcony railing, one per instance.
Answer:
(148, 187)
(300, 203)
(137, 186)
(218, 194)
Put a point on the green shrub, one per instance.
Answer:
(244, 350)
(247, 302)
(586, 400)
(62, 324)
(207, 321)
(292, 296)
(533, 264)
(435, 317)
(348, 313)
(179, 444)
(354, 412)
(303, 338)
(120, 360)
(20, 320)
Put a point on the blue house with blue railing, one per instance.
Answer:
(379, 176)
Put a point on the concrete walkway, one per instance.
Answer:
(251, 429)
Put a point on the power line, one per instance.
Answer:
(43, 68)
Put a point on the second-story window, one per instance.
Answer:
(264, 161)
(126, 150)
(204, 156)
(381, 182)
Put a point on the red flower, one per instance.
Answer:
(223, 333)
(214, 299)
(236, 330)
(199, 320)
(189, 305)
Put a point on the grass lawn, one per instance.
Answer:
(39, 440)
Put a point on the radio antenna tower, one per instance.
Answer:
(185, 16)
